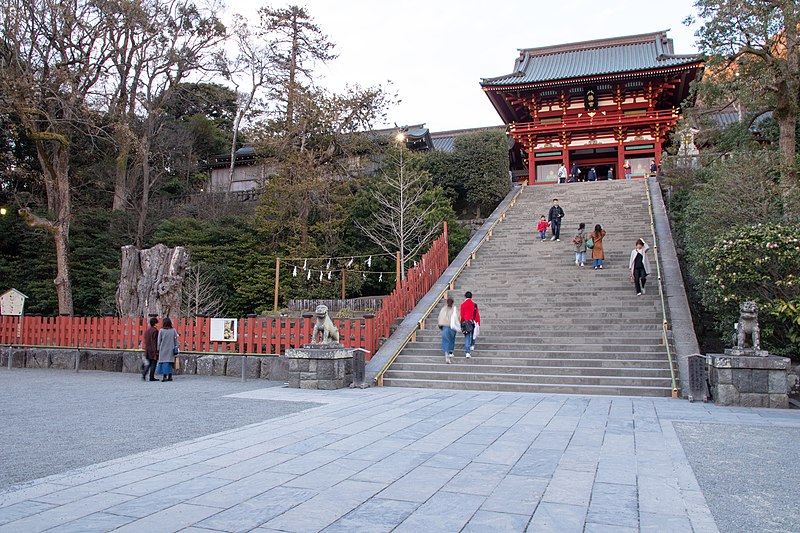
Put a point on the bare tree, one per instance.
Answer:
(254, 63)
(200, 295)
(52, 57)
(403, 215)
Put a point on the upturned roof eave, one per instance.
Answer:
(695, 62)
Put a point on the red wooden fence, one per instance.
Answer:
(418, 282)
(260, 335)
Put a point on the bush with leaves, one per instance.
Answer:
(760, 263)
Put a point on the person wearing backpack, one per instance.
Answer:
(597, 246)
(579, 241)
(470, 322)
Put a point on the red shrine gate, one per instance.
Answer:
(596, 103)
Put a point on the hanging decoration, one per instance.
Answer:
(309, 276)
(320, 275)
(350, 263)
(294, 272)
(380, 278)
(305, 264)
(369, 261)
(329, 275)
(328, 267)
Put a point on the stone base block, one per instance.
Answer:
(103, 361)
(187, 365)
(132, 362)
(18, 358)
(323, 367)
(211, 365)
(234, 367)
(275, 369)
(62, 359)
(749, 381)
(37, 359)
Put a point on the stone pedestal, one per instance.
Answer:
(749, 381)
(320, 366)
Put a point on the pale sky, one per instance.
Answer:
(436, 52)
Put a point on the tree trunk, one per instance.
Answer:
(290, 94)
(151, 281)
(54, 158)
(786, 110)
(788, 148)
(121, 170)
(62, 281)
(144, 204)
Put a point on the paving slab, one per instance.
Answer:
(459, 460)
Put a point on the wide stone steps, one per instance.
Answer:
(539, 378)
(547, 365)
(549, 325)
(533, 387)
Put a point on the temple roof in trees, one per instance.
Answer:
(647, 51)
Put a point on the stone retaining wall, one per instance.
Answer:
(263, 367)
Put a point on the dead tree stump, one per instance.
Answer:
(151, 281)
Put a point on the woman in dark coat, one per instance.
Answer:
(597, 252)
(167, 342)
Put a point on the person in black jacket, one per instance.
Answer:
(592, 174)
(554, 216)
(574, 173)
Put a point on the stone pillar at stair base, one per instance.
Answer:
(320, 366)
(749, 381)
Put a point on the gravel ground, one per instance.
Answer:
(52, 421)
(748, 474)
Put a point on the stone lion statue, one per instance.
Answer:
(747, 327)
(328, 333)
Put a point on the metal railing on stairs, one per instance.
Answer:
(411, 337)
(664, 321)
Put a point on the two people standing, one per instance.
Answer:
(465, 319)
(593, 241)
(160, 347)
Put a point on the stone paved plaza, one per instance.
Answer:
(387, 459)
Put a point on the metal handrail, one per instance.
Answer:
(448, 288)
(664, 322)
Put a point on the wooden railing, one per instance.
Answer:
(417, 283)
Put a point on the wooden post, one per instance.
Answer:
(397, 269)
(277, 278)
(343, 284)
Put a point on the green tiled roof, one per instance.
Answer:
(592, 58)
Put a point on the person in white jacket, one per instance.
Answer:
(639, 266)
(449, 324)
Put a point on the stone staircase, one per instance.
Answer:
(548, 325)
